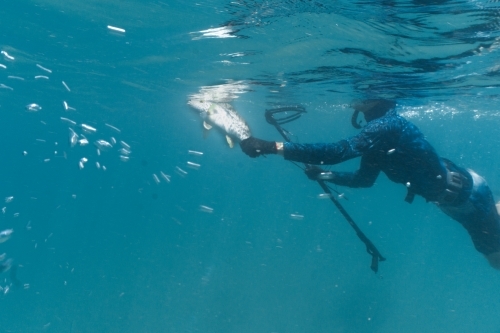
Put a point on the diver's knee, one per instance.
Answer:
(494, 259)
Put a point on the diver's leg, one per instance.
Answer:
(480, 217)
(494, 259)
(487, 221)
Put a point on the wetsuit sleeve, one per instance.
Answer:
(334, 153)
(364, 177)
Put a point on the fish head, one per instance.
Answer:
(200, 105)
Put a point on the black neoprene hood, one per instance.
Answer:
(371, 108)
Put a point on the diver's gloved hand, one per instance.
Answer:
(254, 147)
(313, 171)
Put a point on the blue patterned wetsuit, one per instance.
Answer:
(395, 146)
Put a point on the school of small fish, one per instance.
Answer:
(89, 143)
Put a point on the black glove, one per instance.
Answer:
(254, 147)
(312, 172)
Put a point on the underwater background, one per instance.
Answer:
(133, 239)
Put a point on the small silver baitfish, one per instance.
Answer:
(5, 266)
(5, 235)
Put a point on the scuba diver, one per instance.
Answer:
(393, 145)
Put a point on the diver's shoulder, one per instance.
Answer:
(393, 118)
(397, 118)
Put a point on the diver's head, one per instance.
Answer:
(371, 108)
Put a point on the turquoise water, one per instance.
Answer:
(113, 251)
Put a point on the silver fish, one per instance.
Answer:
(5, 235)
(223, 116)
(6, 265)
(103, 145)
(73, 137)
